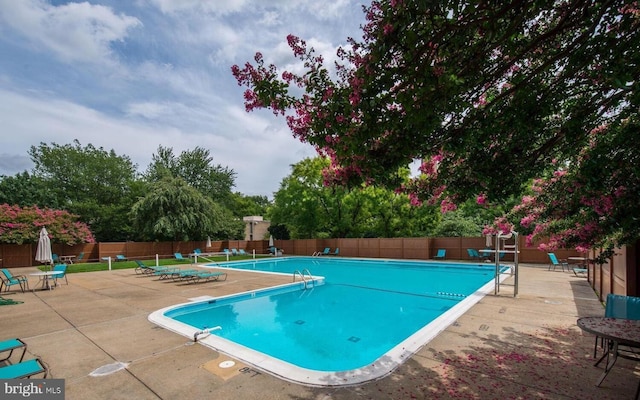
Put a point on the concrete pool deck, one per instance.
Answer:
(527, 347)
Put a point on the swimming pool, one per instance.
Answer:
(358, 323)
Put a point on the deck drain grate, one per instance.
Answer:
(354, 339)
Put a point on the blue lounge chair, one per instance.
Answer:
(324, 252)
(10, 345)
(242, 252)
(142, 268)
(234, 252)
(120, 257)
(556, 263)
(473, 254)
(80, 257)
(197, 251)
(179, 257)
(442, 253)
(335, 252)
(24, 369)
(206, 276)
(55, 258)
(10, 280)
(60, 268)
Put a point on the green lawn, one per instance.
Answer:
(103, 265)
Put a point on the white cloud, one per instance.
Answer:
(131, 76)
(218, 7)
(74, 32)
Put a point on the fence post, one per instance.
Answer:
(157, 261)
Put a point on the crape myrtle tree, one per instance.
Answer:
(491, 96)
(19, 225)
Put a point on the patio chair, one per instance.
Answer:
(141, 268)
(335, 252)
(24, 369)
(442, 253)
(179, 257)
(55, 258)
(120, 257)
(324, 252)
(10, 280)
(557, 263)
(234, 252)
(242, 252)
(473, 254)
(60, 268)
(80, 257)
(10, 345)
(206, 276)
(618, 306)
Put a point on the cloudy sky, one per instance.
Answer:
(131, 75)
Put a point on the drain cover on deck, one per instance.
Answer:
(226, 364)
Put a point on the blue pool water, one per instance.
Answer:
(365, 314)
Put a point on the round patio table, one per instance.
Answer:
(45, 278)
(618, 331)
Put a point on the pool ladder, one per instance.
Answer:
(305, 276)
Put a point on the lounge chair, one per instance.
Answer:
(182, 274)
(80, 257)
(442, 253)
(234, 252)
(60, 268)
(164, 273)
(324, 252)
(10, 280)
(55, 258)
(242, 252)
(24, 369)
(180, 257)
(335, 252)
(618, 306)
(197, 251)
(473, 254)
(555, 263)
(142, 268)
(206, 276)
(120, 257)
(10, 345)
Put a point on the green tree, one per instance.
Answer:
(490, 95)
(172, 210)
(24, 190)
(311, 209)
(196, 168)
(243, 206)
(96, 184)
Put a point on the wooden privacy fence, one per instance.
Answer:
(620, 275)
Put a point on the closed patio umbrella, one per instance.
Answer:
(43, 251)
(208, 241)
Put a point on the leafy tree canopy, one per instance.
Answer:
(489, 95)
(174, 211)
(196, 168)
(310, 209)
(96, 184)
